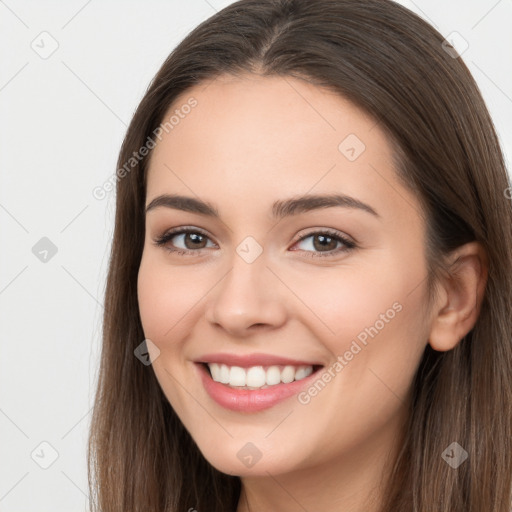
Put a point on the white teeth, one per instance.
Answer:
(257, 377)
(303, 372)
(288, 374)
(224, 374)
(237, 376)
(273, 376)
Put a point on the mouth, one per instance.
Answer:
(258, 377)
(251, 389)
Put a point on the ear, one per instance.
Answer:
(460, 297)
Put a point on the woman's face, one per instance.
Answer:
(248, 286)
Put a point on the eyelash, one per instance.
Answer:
(349, 244)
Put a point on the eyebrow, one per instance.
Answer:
(280, 209)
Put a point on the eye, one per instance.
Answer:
(194, 238)
(325, 242)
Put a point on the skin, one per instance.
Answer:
(250, 141)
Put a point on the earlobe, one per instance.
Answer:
(463, 290)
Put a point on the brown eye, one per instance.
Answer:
(326, 242)
(196, 240)
(192, 239)
(322, 242)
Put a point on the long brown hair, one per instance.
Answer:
(392, 64)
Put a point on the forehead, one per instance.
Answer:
(263, 138)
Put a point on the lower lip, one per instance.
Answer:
(250, 400)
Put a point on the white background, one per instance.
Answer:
(62, 121)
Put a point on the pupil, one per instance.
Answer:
(324, 242)
(195, 237)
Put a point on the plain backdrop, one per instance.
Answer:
(71, 75)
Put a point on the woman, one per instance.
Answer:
(309, 292)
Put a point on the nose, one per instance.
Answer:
(247, 299)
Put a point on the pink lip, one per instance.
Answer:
(247, 360)
(250, 400)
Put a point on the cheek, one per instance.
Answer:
(373, 319)
(347, 303)
(166, 299)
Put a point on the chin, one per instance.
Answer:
(245, 458)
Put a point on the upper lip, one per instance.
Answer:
(247, 360)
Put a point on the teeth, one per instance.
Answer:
(257, 377)
(237, 376)
(273, 376)
(223, 374)
(288, 374)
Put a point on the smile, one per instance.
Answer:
(257, 377)
(254, 388)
